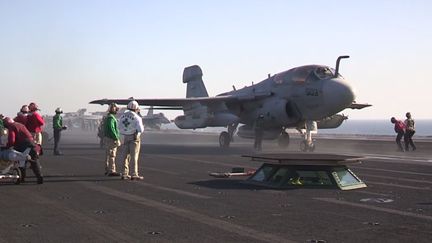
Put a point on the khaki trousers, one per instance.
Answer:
(37, 136)
(111, 152)
(130, 148)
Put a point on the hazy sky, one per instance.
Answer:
(67, 53)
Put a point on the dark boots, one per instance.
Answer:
(35, 166)
(23, 174)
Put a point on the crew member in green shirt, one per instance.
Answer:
(111, 139)
(58, 128)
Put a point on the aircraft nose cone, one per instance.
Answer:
(337, 95)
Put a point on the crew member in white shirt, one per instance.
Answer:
(131, 127)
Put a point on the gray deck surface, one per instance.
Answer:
(178, 202)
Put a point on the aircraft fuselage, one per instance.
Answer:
(310, 92)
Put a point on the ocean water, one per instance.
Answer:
(377, 127)
(354, 127)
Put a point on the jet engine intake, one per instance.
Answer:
(281, 112)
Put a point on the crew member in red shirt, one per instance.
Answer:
(399, 127)
(35, 123)
(19, 138)
(22, 115)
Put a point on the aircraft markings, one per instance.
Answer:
(380, 209)
(398, 179)
(400, 186)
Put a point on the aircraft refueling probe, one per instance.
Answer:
(337, 64)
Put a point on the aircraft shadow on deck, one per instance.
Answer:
(77, 146)
(193, 149)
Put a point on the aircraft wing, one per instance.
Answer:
(178, 103)
(358, 106)
(150, 119)
(163, 120)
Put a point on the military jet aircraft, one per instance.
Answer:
(154, 121)
(82, 120)
(296, 98)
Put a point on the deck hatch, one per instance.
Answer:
(306, 170)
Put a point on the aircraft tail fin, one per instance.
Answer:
(195, 86)
(81, 111)
(150, 111)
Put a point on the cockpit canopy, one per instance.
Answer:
(303, 74)
(324, 72)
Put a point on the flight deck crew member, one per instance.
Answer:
(131, 127)
(101, 130)
(399, 128)
(409, 132)
(22, 115)
(19, 138)
(111, 139)
(259, 130)
(2, 130)
(57, 129)
(35, 123)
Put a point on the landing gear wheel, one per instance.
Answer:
(16, 172)
(305, 147)
(231, 130)
(283, 140)
(224, 139)
(312, 147)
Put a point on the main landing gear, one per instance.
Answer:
(225, 138)
(307, 145)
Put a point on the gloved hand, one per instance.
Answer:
(64, 127)
(117, 142)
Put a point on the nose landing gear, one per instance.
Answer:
(307, 145)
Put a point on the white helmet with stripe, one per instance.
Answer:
(133, 105)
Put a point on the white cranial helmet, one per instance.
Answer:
(133, 105)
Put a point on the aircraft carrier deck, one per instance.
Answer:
(179, 202)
